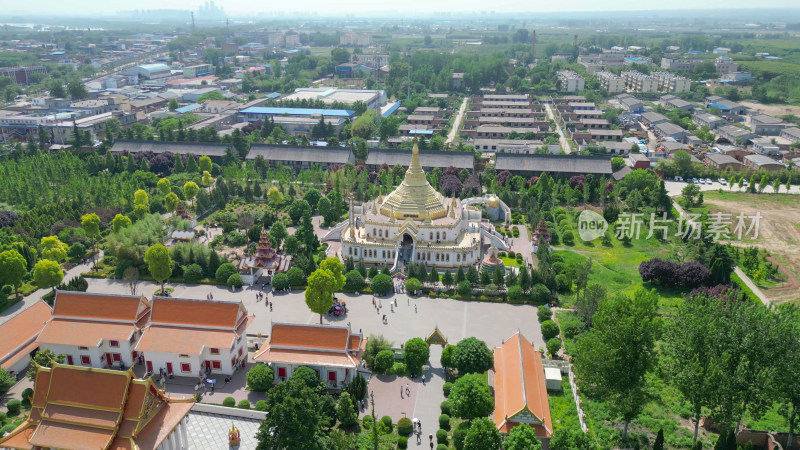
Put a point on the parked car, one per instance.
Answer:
(678, 178)
(745, 183)
(723, 181)
(695, 181)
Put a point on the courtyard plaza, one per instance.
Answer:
(490, 322)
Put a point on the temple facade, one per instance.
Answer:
(414, 223)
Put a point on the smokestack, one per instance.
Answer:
(575, 41)
(533, 44)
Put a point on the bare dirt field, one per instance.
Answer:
(779, 234)
(774, 110)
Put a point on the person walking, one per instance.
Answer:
(401, 391)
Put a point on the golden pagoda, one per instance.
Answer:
(415, 198)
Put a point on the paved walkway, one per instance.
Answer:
(457, 123)
(562, 138)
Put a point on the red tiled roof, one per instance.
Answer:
(179, 340)
(67, 435)
(202, 313)
(520, 388)
(81, 305)
(307, 357)
(20, 331)
(309, 337)
(83, 333)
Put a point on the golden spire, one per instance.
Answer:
(415, 197)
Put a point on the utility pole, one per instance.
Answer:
(374, 421)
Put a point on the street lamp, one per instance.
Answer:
(374, 420)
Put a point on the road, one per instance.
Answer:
(562, 139)
(457, 123)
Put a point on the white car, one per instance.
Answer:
(677, 178)
(745, 183)
(695, 181)
(723, 181)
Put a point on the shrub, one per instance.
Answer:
(381, 284)
(563, 283)
(413, 284)
(384, 361)
(446, 388)
(441, 437)
(568, 237)
(445, 407)
(14, 407)
(354, 281)
(549, 330)
(192, 273)
(571, 325)
(441, 447)
(2, 418)
(515, 293)
(27, 394)
(77, 250)
(224, 272)
(260, 378)
(8, 428)
(235, 239)
(404, 427)
(544, 313)
(464, 288)
(229, 402)
(387, 421)
(472, 355)
(244, 404)
(553, 346)
(459, 434)
(261, 405)
(540, 293)
(402, 442)
(367, 421)
(444, 422)
(297, 277)
(280, 281)
(235, 281)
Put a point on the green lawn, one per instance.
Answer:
(562, 407)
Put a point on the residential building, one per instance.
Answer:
(520, 389)
(198, 70)
(81, 407)
(671, 101)
(276, 39)
(188, 337)
(630, 103)
(669, 82)
(735, 135)
(374, 99)
(731, 150)
(429, 159)
(21, 75)
(791, 133)
(652, 118)
(670, 147)
(96, 330)
(333, 352)
(291, 40)
(639, 82)
(765, 146)
(708, 120)
(759, 162)
(457, 81)
(509, 145)
(767, 125)
(670, 130)
(638, 161)
(599, 61)
(723, 162)
(570, 81)
(561, 165)
(726, 106)
(353, 39)
(300, 157)
(676, 64)
(19, 337)
(611, 82)
(374, 60)
(724, 64)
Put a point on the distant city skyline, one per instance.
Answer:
(355, 7)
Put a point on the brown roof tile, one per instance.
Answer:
(88, 387)
(179, 340)
(99, 306)
(83, 333)
(83, 416)
(22, 329)
(197, 312)
(65, 435)
(309, 337)
(307, 357)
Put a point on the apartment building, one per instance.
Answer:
(639, 82)
(724, 64)
(610, 82)
(570, 81)
(767, 125)
(676, 64)
(669, 82)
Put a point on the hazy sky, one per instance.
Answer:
(354, 7)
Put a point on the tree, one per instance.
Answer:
(53, 249)
(206, 179)
(354, 281)
(659, 443)
(689, 194)
(553, 346)
(381, 284)
(294, 416)
(91, 225)
(415, 354)
(346, 411)
(785, 378)
(614, 357)
(131, 276)
(549, 330)
(224, 272)
(312, 196)
(274, 195)
(190, 190)
(260, 378)
(173, 104)
(44, 358)
(322, 284)
(164, 186)
(383, 361)
(277, 232)
(571, 438)
(297, 209)
(141, 203)
(6, 381)
(119, 222)
(159, 264)
(471, 397)
(47, 274)
(171, 201)
(482, 435)
(413, 285)
(13, 268)
(522, 437)
(464, 287)
(447, 356)
(77, 90)
(587, 305)
(472, 356)
(447, 279)
(204, 164)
